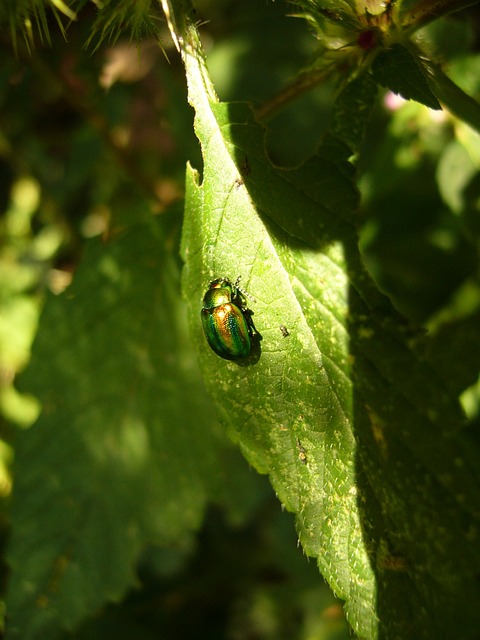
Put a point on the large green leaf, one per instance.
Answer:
(291, 409)
(126, 451)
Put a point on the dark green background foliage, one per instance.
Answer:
(327, 486)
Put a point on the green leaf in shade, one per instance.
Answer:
(455, 99)
(400, 71)
(358, 435)
(125, 452)
(352, 110)
(455, 171)
(462, 338)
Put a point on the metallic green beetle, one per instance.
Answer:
(227, 321)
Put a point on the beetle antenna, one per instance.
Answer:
(245, 293)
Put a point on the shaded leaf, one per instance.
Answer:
(455, 99)
(125, 452)
(353, 109)
(400, 71)
(461, 338)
